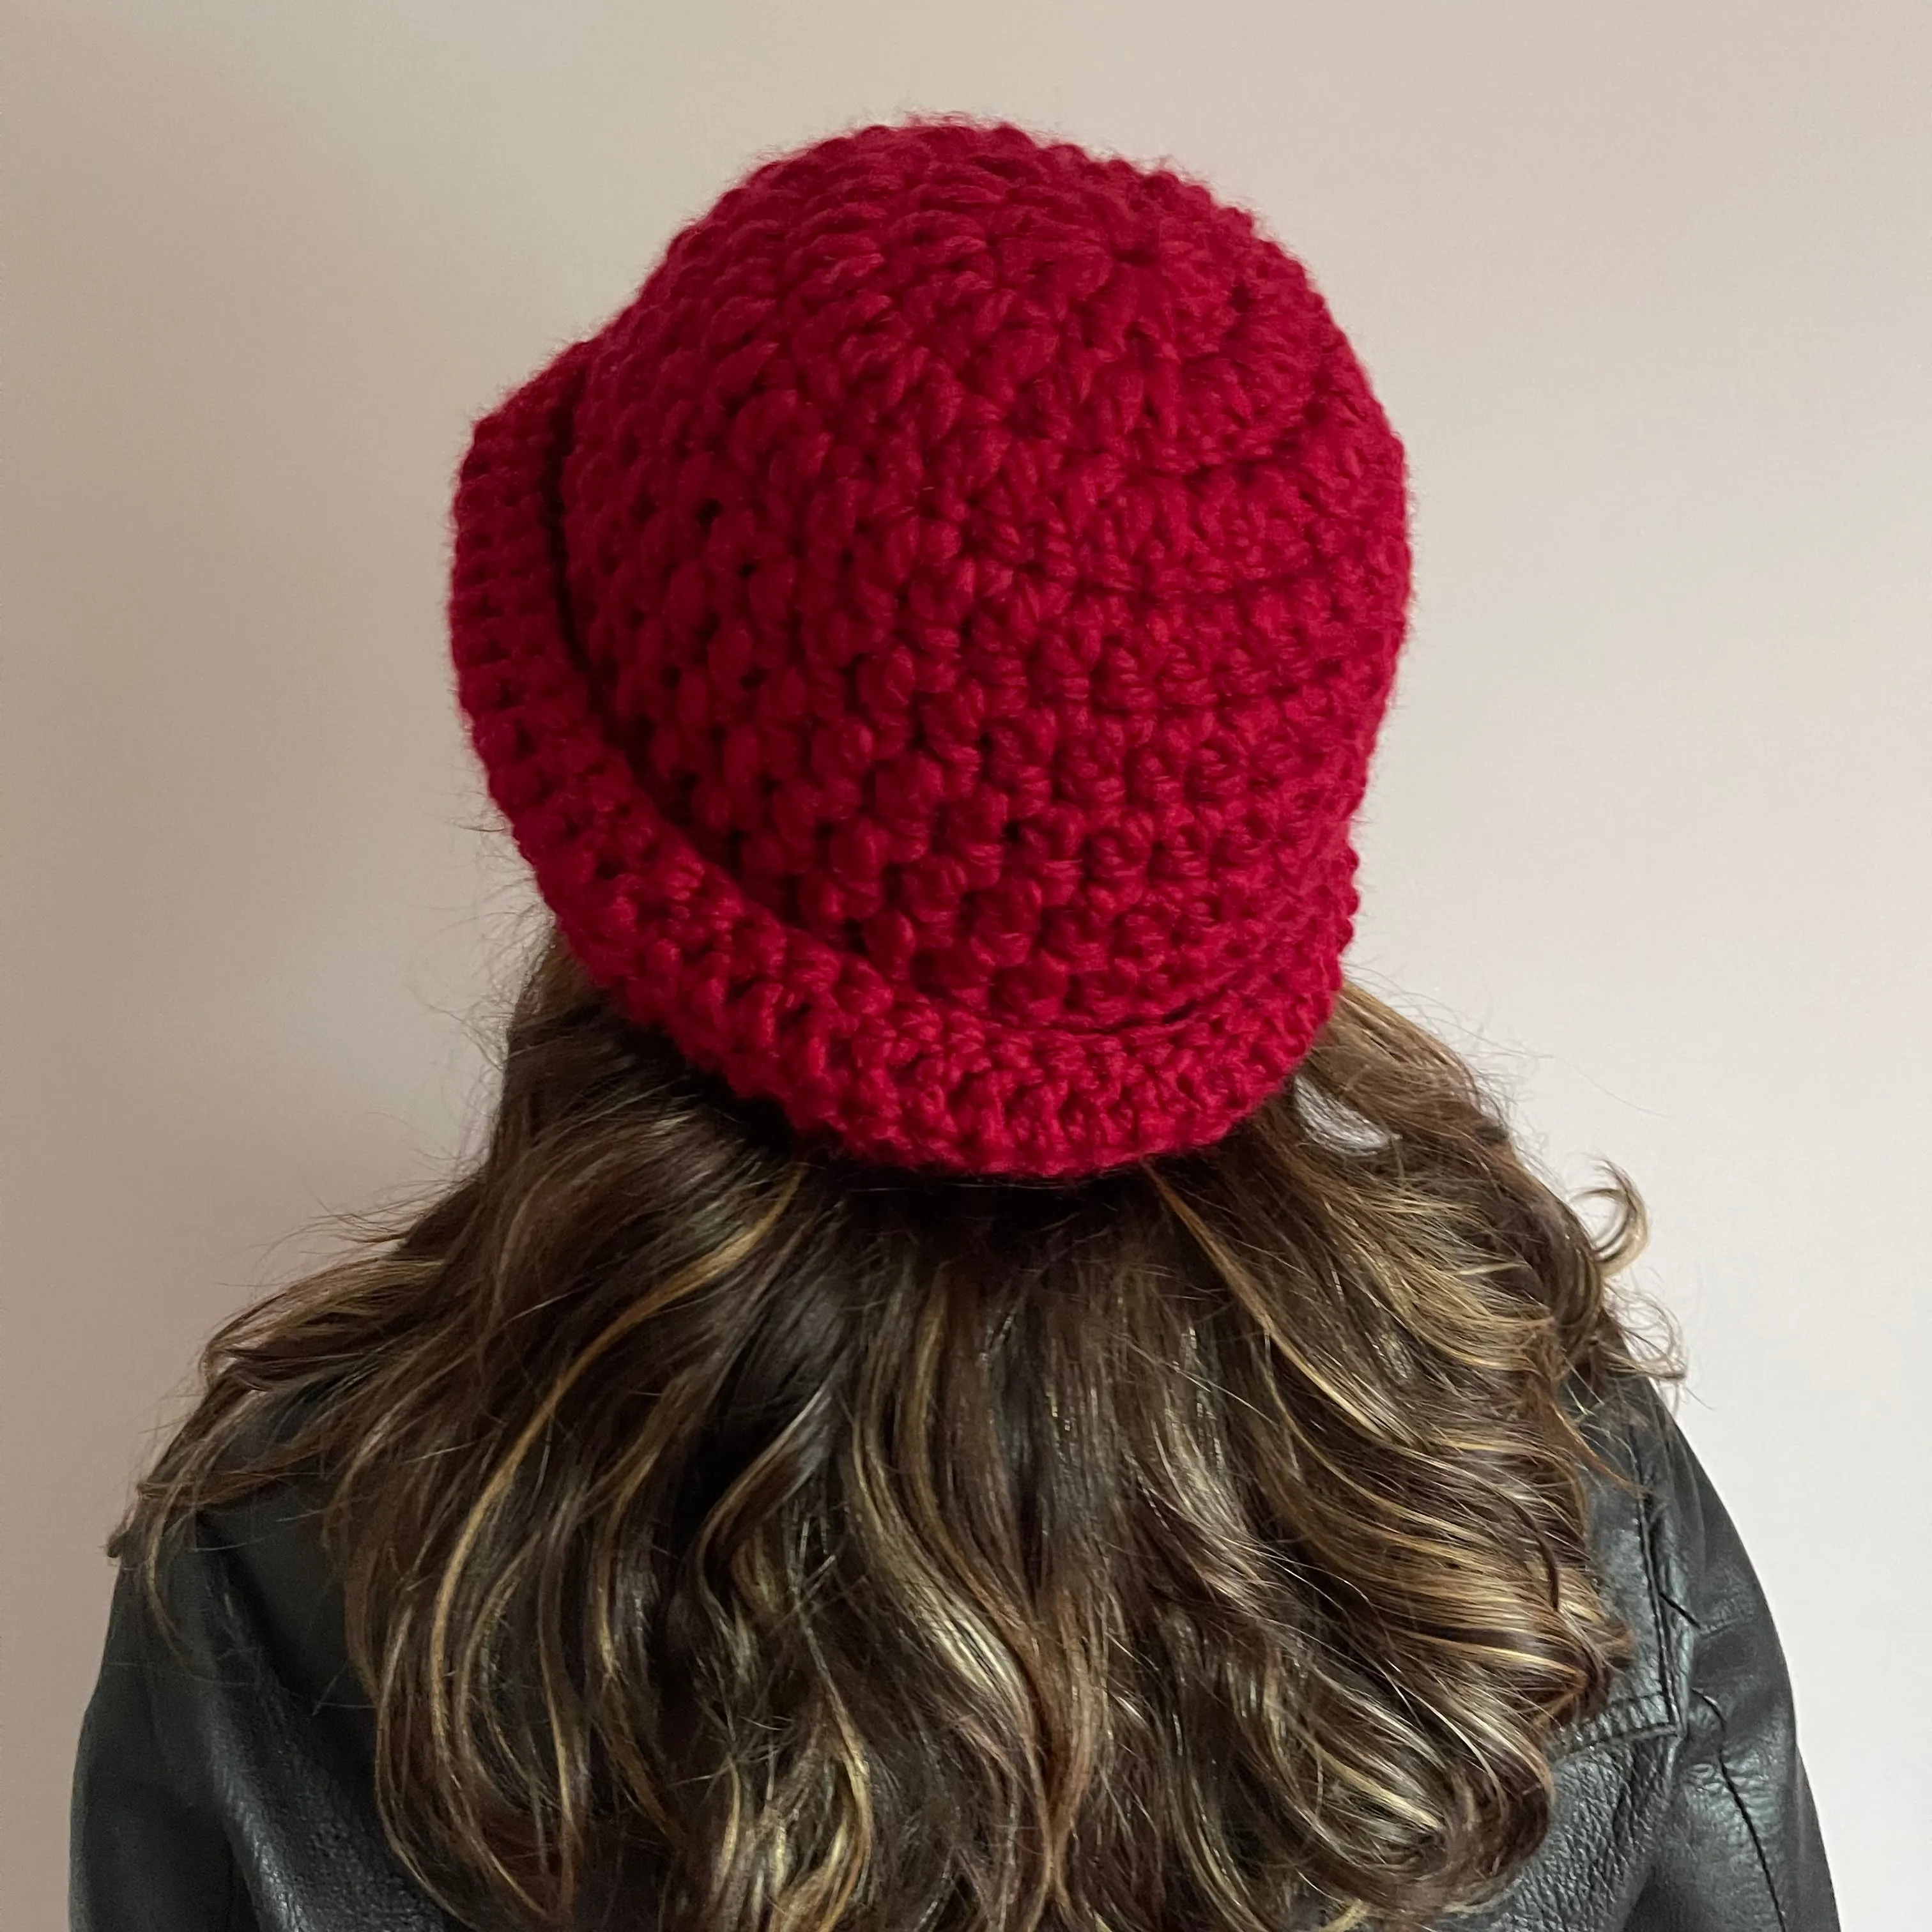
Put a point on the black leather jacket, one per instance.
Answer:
(235, 1794)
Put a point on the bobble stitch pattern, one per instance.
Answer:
(929, 647)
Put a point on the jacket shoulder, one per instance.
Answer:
(1739, 1843)
(222, 1783)
(1682, 1805)
(1637, 1532)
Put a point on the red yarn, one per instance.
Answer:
(929, 646)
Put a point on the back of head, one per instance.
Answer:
(977, 1381)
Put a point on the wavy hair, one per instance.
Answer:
(775, 1543)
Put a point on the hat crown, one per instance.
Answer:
(992, 559)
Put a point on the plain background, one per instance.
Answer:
(1645, 287)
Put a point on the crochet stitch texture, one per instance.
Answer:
(929, 647)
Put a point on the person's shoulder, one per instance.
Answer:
(272, 1545)
(1665, 1547)
(247, 1583)
(226, 1766)
(1738, 1842)
(1643, 1517)
(1696, 1560)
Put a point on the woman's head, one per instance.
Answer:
(804, 1541)
(975, 1381)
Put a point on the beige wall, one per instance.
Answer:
(1647, 289)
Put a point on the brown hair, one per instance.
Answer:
(814, 1544)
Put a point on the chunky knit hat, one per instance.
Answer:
(929, 647)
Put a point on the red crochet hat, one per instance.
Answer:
(929, 646)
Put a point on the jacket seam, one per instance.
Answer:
(1647, 1531)
(1716, 1711)
(1646, 1715)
